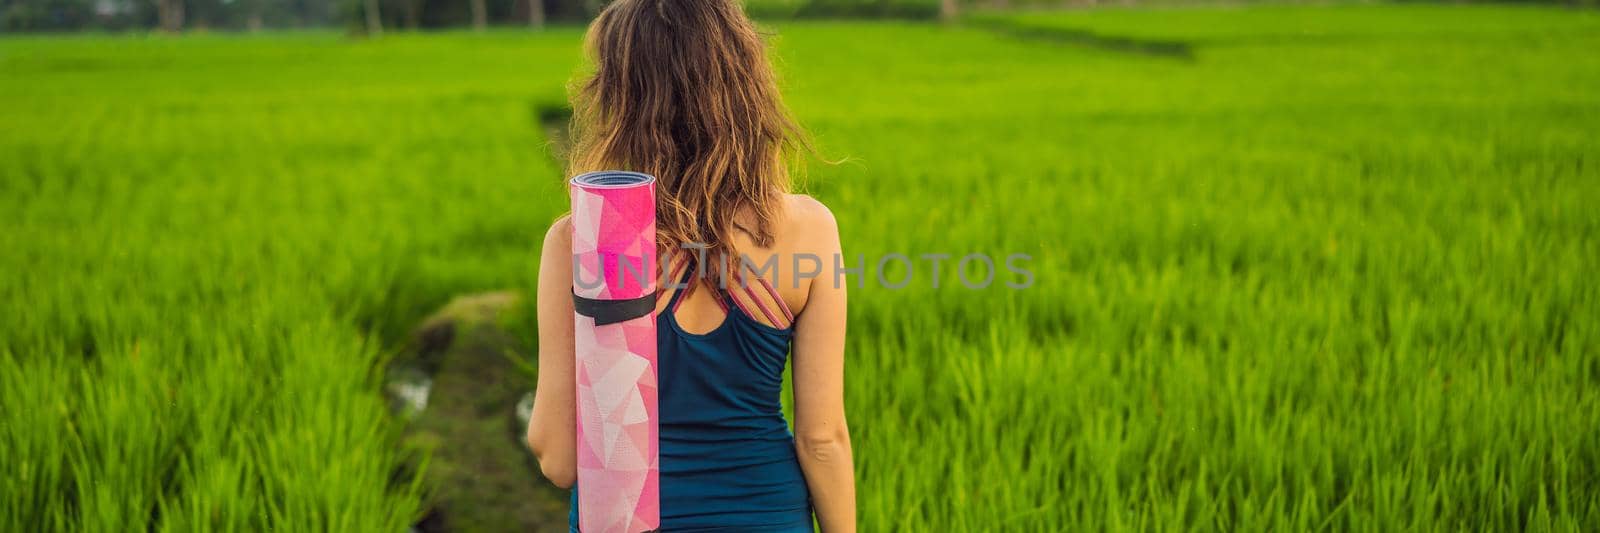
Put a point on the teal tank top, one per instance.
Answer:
(728, 460)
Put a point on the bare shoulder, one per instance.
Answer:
(558, 240)
(804, 208)
(560, 230)
(809, 225)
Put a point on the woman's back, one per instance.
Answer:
(727, 456)
(682, 90)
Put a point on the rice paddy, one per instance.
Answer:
(1296, 268)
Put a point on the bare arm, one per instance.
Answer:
(821, 436)
(552, 429)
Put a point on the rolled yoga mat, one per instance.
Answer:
(613, 292)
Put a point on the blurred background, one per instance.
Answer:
(267, 264)
(374, 16)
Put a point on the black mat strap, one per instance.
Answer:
(613, 311)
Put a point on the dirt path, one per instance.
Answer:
(481, 476)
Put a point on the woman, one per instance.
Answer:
(682, 90)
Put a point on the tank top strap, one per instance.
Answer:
(679, 282)
(777, 314)
(777, 300)
(686, 285)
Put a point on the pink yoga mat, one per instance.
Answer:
(614, 250)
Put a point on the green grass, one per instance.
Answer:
(211, 243)
(1330, 271)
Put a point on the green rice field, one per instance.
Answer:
(1295, 268)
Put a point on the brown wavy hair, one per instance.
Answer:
(682, 90)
